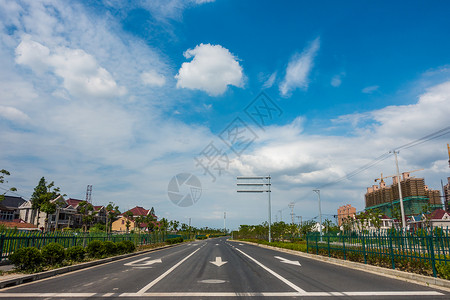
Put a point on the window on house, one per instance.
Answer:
(6, 215)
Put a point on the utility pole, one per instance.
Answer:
(320, 214)
(299, 220)
(281, 216)
(224, 221)
(400, 192)
(291, 206)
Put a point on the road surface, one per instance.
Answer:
(219, 268)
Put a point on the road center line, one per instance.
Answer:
(274, 273)
(148, 286)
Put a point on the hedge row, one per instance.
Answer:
(31, 259)
(174, 240)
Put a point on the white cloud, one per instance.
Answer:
(212, 69)
(297, 160)
(152, 78)
(13, 114)
(203, 1)
(370, 89)
(298, 69)
(270, 81)
(82, 76)
(336, 81)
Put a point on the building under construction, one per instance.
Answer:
(416, 196)
(447, 195)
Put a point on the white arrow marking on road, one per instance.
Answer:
(217, 244)
(287, 261)
(139, 263)
(218, 261)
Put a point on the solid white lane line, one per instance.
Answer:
(148, 286)
(222, 294)
(273, 273)
(45, 295)
(393, 293)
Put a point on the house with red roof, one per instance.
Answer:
(129, 217)
(67, 214)
(19, 224)
(437, 218)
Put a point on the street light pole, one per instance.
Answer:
(320, 215)
(400, 192)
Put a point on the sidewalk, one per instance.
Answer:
(6, 268)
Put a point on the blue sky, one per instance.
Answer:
(125, 95)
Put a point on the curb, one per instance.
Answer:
(41, 275)
(402, 275)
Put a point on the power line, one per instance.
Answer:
(424, 139)
(12, 192)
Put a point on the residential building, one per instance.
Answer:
(9, 208)
(416, 196)
(19, 225)
(67, 214)
(138, 211)
(359, 225)
(344, 212)
(437, 218)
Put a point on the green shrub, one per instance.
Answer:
(121, 248)
(109, 248)
(94, 249)
(125, 247)
(201, 237)
(443, 270)
(27, 259)
(174, 240)
(76, 253)
(53, 253)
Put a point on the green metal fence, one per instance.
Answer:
(11, 241)
(388, 249)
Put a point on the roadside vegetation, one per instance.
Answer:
(410, 252)
(54, 255)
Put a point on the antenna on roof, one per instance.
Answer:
(89, 193)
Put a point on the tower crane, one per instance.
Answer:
(384, 177)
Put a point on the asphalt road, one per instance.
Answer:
(223, 269)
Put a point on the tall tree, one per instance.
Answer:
(163, 225)
(42, 197)
(112, 211)
(87, 212)
(3, 174)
